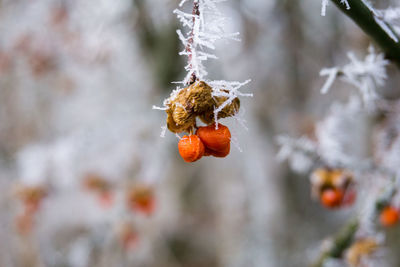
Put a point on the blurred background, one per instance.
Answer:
(79, 140)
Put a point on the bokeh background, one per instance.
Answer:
(78, 79)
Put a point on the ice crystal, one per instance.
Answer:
(325, 3)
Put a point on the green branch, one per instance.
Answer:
(339, 243)
(365, 19)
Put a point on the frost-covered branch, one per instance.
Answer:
(373, 24)
(366, 75)
(205, 26)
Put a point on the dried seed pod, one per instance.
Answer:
(187, 104)
(215, 139)
(360, 249)
(184, 123)
(197, 100)
(389, 216)
(332, 198)
(191, 148)
(228, 111)
(197, 97)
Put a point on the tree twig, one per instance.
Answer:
(374, 27)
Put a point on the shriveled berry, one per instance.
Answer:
(191, 148)
(389, 216)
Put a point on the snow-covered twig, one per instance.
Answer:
(366, 75)
(205, 26)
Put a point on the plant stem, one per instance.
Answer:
(340, 243)
(366, 19)
(195, 13)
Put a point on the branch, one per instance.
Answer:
(340, 243)
(380, 31)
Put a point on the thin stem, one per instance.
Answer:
(196, 14)
(371, 24)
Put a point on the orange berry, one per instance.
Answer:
(191, 148)
(218, 154)
(141, 199)
(389, 216)
(332, 198)
(215, 139)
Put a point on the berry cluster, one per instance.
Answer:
(209, 140)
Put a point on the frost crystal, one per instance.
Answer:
(325, 3)
(366, 75)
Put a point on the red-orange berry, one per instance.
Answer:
(191, 148)
(141, 199)
(332, 198)
(389, 216)
(215, 139)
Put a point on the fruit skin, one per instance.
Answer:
(191, 148)
(218, 154)
(215, 139)
(389, 216)
(332, 198)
